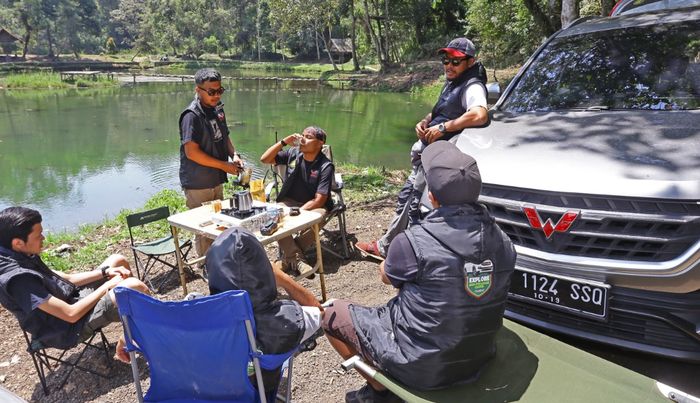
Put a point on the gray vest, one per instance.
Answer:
(43, 327)
(193, 175)
(439, 331)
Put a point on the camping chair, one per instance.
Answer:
(155, 250)
(278, 174)
(532, 367)
(44, 361)
(197, 350)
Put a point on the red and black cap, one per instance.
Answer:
(460, 47)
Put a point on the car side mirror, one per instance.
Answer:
(494, 92)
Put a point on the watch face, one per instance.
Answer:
(441, 127)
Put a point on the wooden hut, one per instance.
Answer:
(341, 49)
(8, 41)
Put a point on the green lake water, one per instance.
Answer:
(79, 156)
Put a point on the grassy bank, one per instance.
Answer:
(50, 80)
(94, 242)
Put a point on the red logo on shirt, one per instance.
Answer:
(313, 174)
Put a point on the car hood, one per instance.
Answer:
(653, 154)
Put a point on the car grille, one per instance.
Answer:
(607, 227)
(630, 318)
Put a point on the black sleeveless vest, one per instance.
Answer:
(193, 175)
(436, 332)
(48, 329)
(449, 104)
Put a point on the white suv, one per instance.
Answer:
(591, 164)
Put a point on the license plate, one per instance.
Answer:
(575, 295)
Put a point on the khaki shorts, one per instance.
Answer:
(104, 313)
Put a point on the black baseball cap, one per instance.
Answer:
(460, 47)
(452, 176)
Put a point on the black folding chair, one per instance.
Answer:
(154, 251)
(44, 361)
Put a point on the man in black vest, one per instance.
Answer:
(57, 309)
(452, 271)
(205, 147)
(462, 104)
(308, 186)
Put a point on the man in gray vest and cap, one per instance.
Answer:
(461, 105)
(452, 271)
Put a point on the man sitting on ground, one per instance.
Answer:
(50, 305)
(237, 261)
(452, 271)
(308, 186)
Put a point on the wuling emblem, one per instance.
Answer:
(549, 227)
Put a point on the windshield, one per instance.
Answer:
(653, 67)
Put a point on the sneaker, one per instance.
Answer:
(367, 394)
(369, 249)
(303, 270)
(298, 269)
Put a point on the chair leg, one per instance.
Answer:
(343, 234)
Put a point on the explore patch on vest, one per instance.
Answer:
(478, 278)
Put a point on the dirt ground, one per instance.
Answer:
(317, 374)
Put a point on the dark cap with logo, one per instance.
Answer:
(452, 176)
(460, 47)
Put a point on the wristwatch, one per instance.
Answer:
(103, 269)
(441, 128)
(282, 143)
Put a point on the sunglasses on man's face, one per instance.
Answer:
(211, 92)
(455, 62)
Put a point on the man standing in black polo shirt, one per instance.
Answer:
(308, 186)
(205, 147)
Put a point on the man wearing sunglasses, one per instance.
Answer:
(205, 146)
(462, 104)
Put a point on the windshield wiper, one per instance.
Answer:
(597, 108)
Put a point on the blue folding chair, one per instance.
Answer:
(197, 350)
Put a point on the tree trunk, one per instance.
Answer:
(24, 19)
(355, 62)
(373, 35)
(606, 7)
(541, 19)
(50, 40)
(569, 12)
(328, 50)
(257, 27)
(318, 49)
(387, 36)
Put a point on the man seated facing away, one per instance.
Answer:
(57, 309)
(452, 271)
(237, 261)
(308, 186)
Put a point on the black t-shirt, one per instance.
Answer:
(312, 176)
(400, 265)
(193, 127)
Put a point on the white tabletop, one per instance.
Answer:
(198, 221)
